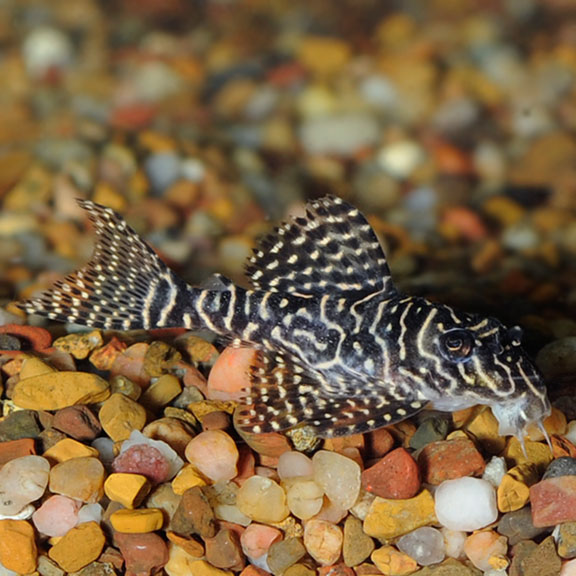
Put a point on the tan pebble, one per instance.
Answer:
(555, 424)
(137, 521)
(203, 407)
(514, 489)
(18, 550)
(175, 432)
(128, 489)
(389, 519)
(299, 570)
(199, 350)
(79, 547)
(188, 477)
(161, 392)
(323, 541)
(392, 562)
(484, 428)
(263, 500)
(104, 358)
(189, 545)
(79, 478)
(537, 453)
(356, 546)
(159, 358)
(122, 385)
(56, 390)
(67, 449)
(79, 345)
(119, 415)
(33, 366)
(180, 563)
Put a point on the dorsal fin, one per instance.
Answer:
(332, 249)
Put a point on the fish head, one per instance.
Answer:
(482, 361)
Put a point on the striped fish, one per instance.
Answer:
(339, 348)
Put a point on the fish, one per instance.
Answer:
(338, 348)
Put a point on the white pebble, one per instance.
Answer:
(568, 568)
(401, 158)
(425, 545)
(495, 471)
(105, 447)
(454, 541)
(294, 465)
(46, 49)
(338, 476)
(22, 481)
(466, 504)
(90, 513)
(304, 498)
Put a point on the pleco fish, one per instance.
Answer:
(339, 349)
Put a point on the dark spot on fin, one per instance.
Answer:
(332, 249)
(285, 394)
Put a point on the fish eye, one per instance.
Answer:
(514, 335)
(457, 345)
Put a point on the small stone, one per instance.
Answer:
(187, 478)
(219, 420)
(57, 515)
(263, 500)
(425, 545)
(269, 444)
(138, 521)
(560, 467)
(304, 498)
(180, 563)
(338, 476)
(294, 465)
(22, 480)
(190, 545)
(454, 541)
(557, 358)
(194, 515)
(433, 429)
(555, 425)
(18, 425)
(47, 567)
(214, 454)
(323, 56)
(13, 449)
(356, 546)
(484, 429)
(78, 422)
(18, 550)
(144, 554)
(295, 570)
(323, 541)
(161, 392)
(466, 504)
(553, 501)
(224, 550)
(450, 459)
(80, 546)
(518, 526)
(514, 490)
(378, 443)
(66, 449)
(392, 562)
(543, 561)
(127, 489)
(119, 415)
(257, 539)
(163, 497)
(283, 554)
(172, 431)
(486, 550)
(230, 374)
(395, 476)
(536, 452)
(79, 478)
(79, 345)
(387, 519)
(495, 471)
(59, 390)
(566, 540)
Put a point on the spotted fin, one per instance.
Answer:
(332, 249)
(285, 394)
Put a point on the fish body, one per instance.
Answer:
(339, 348)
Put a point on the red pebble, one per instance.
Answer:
(450, 459)
(145, 460)
(78, 422)
(395, 476)
(553, 501)
(144, 554)
(15, 449)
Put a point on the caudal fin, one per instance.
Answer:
(124, 286)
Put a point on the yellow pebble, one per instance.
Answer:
(504, 209)
(392, 562)
(17, 546)
(555, 424)
(119, 415)
(35, 367)
(161, 392)
(180, 562)
(127, 489)
(514, 490)
(104, 193)
(137, 521)
(55, 390)
(537, 453)
(78, 547)
(80, 345)
(67, 449)
(389, 519)
(484, 428)
(323, 56)
(203, 407)
(188, 477)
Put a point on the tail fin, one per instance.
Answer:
(124, 286)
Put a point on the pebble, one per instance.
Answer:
(425, 545)
(130, 490)
(194, 515)
(263, 500)
(144, 554)
(19, 425)
(214, 454)
(450, 459)
(323, 541)
(304, 498)
(466, 504)
(392, 562)
(557, 358)
(224, 550)
(518, 526)
(56, 516)
(454, 541)
(257, 539)
(13, 449)
(79, 478)
(230, 374)
(487, 550)
(293, 464)
(59, 390)
(543, 561)
(432, 429)
(553, 501)
(187, 478)
(46, 49)
(483, 427)
(565, 536)
(18, 550)
(22, 480)
(396, 475)
(78, 547)
(356, 546)
(138, 521)
(338, 476)
(401, 158)
(79, 345)
(181, 564)
(78, 422)
(495, 470)
(284, 553)
(537, 453)
(560, 467)
(119, 415)
(161, 392)
(66, 449)
(514, 490)
(174, 432)
(387, 519)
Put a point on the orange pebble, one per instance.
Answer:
(230, 375)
